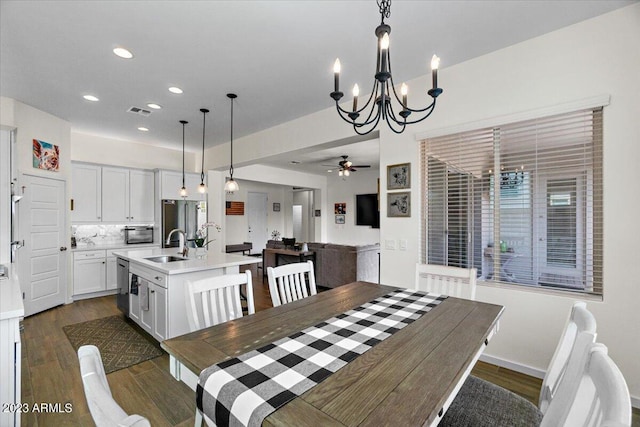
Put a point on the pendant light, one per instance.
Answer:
(231, 185)
(183, 190)
(202, 188)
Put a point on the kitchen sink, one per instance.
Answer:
(166, 258)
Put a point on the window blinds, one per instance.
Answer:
(522, 202)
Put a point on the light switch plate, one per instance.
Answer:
(403, 244)
(390, 244)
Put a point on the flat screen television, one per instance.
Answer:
(367, 210)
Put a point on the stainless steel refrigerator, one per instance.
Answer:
(187, 215)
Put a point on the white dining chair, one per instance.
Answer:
(104, 410)
(217, 299)
(291, 282)
(484, 403)
(480, 403)
(444, 280)
(599, 395)
(580, 320)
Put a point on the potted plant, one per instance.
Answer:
(202, 239)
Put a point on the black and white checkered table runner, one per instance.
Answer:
(244, 390)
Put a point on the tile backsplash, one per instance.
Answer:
(98, 235)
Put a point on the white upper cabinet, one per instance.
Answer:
(171, 182)
(141, 196)
(86, 193)
(112, 194)
(115, 194)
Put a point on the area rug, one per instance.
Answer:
(119, 343)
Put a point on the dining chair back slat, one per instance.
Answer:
(218, 299)
(291, 282)
(444, 280)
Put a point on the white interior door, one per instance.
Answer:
(257, 232)
(43, 258)
(297, 223)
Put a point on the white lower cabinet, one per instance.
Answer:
(149, 308)
(89, 272)
(158, 306)
(94, 271)
(112, 272)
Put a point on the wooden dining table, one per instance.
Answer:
(409, 379)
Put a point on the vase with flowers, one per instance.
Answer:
(202, 239)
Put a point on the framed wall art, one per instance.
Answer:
(399, 176)
(399, 204)
(340, 219)
(276, 207)
(45, 156)
(340, 208)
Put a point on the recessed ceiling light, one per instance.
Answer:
(154, 106)
(329, 170)
(123, 53)
(143, 129)
(174, 89)
(91, 98)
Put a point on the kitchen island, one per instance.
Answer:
(157, 285)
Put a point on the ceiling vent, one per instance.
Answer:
(138, 110)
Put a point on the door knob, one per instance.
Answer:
(63, 248)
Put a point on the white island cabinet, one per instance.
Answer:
(157, 290)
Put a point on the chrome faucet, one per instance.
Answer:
(182, 247)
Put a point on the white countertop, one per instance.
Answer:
(123, 246)
(210, 261)
(11, 295)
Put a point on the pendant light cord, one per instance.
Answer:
(183, 123)
(204, 118)
(231, 166)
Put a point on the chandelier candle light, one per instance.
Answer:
(379, 102)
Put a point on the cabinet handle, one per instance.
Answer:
(152, 291)
(103, 262)
(158, 278)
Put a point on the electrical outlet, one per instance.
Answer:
(390, 244)
(403, 244)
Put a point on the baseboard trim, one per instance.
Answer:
(533, 372)
(518, 367)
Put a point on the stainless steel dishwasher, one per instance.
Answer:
(122, 298)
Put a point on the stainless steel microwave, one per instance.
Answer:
(139, 234)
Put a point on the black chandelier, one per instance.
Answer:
(383, 87)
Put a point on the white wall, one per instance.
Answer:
(236, 226)
(598, 56)
(109, 151)
(344, 190)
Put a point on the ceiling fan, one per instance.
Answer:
(345, 166)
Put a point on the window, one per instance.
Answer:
(522, 202)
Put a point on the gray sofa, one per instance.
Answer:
(336, 265)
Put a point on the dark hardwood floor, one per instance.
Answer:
(51, 374)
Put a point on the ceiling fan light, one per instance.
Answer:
(340, 172)
(346, 172)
